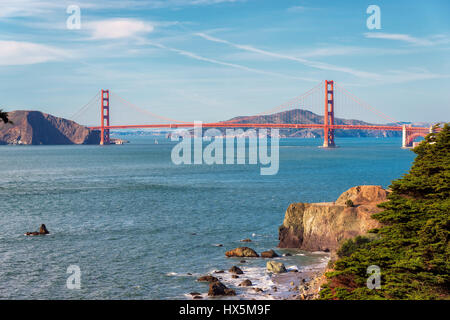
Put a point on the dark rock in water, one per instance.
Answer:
(219, 289)
(287, 255)
(189, 274)
(34, 127)
(219, 271)
(269, 254)
(234, 276)
(42, 231)
(242, 261)
(195, 294)
(235, 270)
(207, 278)
(258, 290)
(197, 297)
(218, 245)
(293, 270)
(242, 252)
(245, 283)
(246, 240)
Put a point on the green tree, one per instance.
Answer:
(4, 116)
(412, 248)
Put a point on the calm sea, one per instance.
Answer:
(140, 227)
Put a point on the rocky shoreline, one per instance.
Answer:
(311, 228)
(274, 281)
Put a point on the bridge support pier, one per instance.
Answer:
(328, 118)
(104, 108)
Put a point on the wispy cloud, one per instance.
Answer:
(26, 8)
(297, 9)
(227, 64)
(22, 53)
(118, 28)
(407, 38)
(306, 62)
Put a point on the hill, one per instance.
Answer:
(308, 117)
(34, 128)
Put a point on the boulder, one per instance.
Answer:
(42, 231)
(207, 278)
(219, 289)
(236, 270)
(246, 240)
(275, 267)
(245, 283)
(323, 226)
(242, 252)
(269, 254)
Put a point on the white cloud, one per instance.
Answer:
(20, 53)
(407, 38)
(118, 28)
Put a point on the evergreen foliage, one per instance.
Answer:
(412, 248)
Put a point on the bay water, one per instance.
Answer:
(140, 227)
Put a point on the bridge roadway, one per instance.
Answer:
(262, 125)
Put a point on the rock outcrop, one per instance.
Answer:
(242, 252)
(235, 270)
(322, 226)
(275, 267)
(42, 231)
(269, 254)
(217, 288)
(34, 127)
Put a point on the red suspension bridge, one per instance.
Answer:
(327, 95)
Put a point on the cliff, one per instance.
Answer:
(323, 226)
(34, 127)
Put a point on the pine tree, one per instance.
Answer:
(412, 248)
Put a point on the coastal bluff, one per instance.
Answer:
(323, 226)
(36, 128)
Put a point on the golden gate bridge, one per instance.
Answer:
(328, 95)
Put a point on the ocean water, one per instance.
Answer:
(140, 227)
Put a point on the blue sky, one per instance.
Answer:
(215, 59)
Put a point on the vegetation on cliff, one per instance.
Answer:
(412, 248)
(4, 116)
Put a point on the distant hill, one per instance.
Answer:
(34, 127)
(307, 117)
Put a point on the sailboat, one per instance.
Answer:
(156, 141)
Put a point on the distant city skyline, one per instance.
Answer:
(216, 59)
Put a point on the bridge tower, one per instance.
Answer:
(328, 117)
(104, 133)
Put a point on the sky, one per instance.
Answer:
(213, 60)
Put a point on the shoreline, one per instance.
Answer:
(298, 283)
